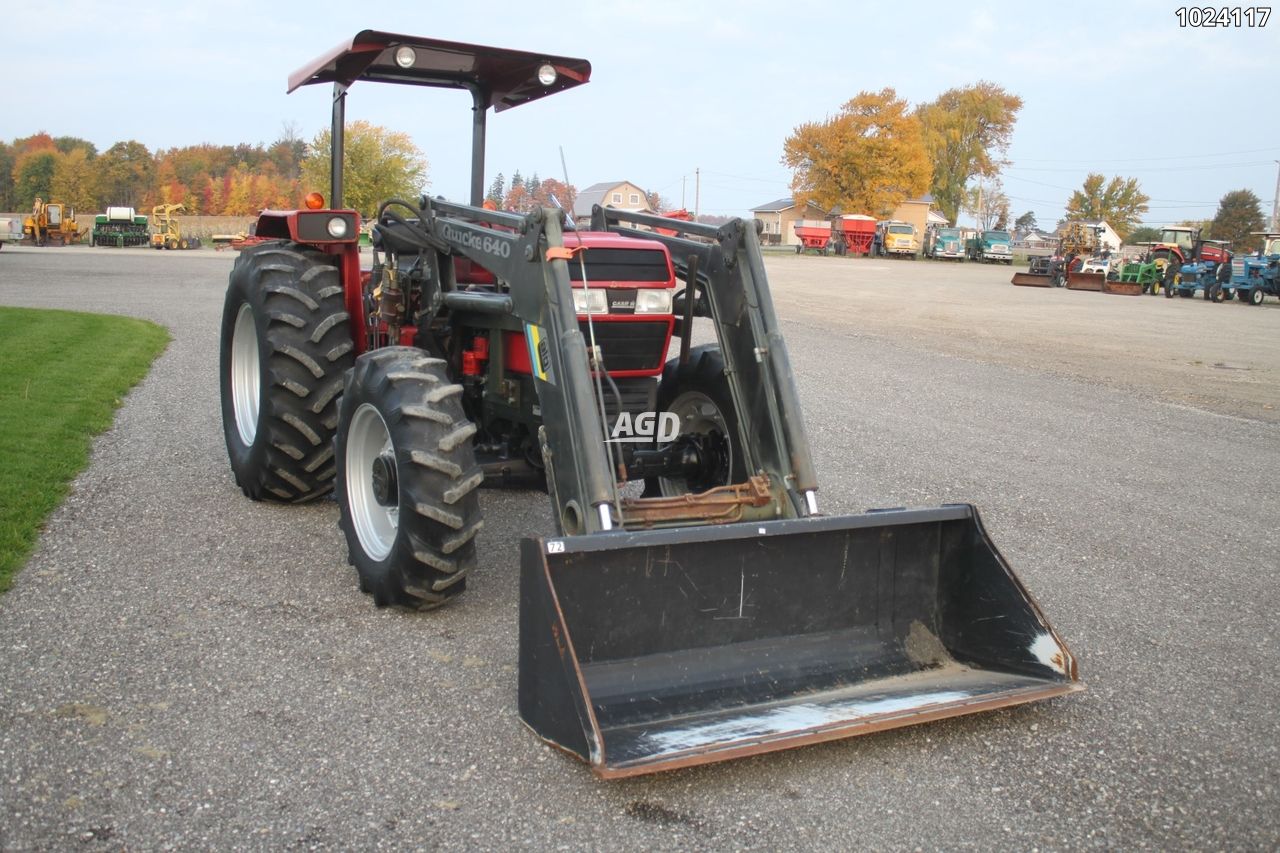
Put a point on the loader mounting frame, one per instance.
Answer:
(526, 253)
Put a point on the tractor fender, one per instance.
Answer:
(307, 226)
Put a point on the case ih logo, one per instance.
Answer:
(646, 428)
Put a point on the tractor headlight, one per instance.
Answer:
(405, 56)
(590, 301)
(337, 227)
(546, 74)
(653, 301)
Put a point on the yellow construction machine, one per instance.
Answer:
(168, 232)
(50, 223)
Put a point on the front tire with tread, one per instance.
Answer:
(413, 548)
(285, 345)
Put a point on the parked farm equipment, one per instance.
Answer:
(857, 233)
(1042, 271)
(814, 236)
(1078, 279)
(1179, 244)
(944, 243)
(119, 227)
(1199, 274)
(1133, 278)
(992, 247)
(681, 214)
(1076, 245)
(51, 223)
(716, 615)
(168, 233)
(897, 239)
(10, 230)
(1255, 276)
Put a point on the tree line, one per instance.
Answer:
(524, 194)
(231, 180)
(1238, 219)
(210, 179)
(878, 151)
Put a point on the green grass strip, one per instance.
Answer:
(62, 376)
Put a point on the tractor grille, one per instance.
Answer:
(630, 346)
(639, 394)
(623, 265)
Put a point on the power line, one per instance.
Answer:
(774, 181)
(1152, 168)
(1146, 159)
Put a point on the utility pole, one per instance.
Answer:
(683, 180)
(1275, 202)
(697, 192)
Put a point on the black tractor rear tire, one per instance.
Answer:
(700, 389)
(286, 343)
(407, 479)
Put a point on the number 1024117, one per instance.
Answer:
(1224, 16)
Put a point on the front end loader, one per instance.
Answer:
(1042, 271)
(692, 603)
(168, 231)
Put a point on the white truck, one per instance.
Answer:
(10, 229)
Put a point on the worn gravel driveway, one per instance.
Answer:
(182, 668)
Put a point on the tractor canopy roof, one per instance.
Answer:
(502, 78)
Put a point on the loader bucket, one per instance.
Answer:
(1026, 279)
(1085, 280)
(1122, 288)
(648, 651)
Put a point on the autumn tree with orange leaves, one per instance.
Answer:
(868, 158)
(967, 131)
(378, 164)
(230, 180)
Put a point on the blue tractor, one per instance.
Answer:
(1200, 272)
(1254, 276)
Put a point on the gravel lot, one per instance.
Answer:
(180, 667)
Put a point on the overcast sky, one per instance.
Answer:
(1118, 88)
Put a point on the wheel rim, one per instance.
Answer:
(375, 525)
(246, 375)
(698, 413)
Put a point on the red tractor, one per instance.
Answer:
(711, 612)
(1181, 244)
